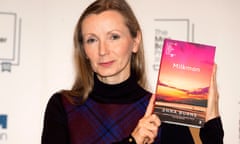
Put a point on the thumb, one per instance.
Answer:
(150, 106)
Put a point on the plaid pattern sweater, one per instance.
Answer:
(109, 115)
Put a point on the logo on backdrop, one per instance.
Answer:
(3, 121)
(3, 127)
(181, 29)
(10, 40)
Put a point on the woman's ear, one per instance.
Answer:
(136, 42)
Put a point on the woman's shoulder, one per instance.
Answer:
(62, 96)
(55, 110)
(54, 98)
(60, 100)
(55, 101)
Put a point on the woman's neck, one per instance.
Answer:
(114, 79)
(127, 91)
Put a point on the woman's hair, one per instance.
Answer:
(84, 80)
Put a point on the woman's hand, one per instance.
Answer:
(147, 127)
(212, 109)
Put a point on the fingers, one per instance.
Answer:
(212, 109)
(150, 106)
(146, 140)
(151, 122)
(147, 128)
(152, 129)
(213, 78)
(214, 72)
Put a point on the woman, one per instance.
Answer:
(108, 102)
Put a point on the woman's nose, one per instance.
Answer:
(103, 48)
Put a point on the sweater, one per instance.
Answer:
(109, 115)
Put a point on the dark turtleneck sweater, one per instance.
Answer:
(109, 115)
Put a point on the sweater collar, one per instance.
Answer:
(125, 92)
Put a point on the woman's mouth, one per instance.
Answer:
(106, 64)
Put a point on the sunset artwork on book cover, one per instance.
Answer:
(183, 82)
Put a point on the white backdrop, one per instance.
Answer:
(36, 54)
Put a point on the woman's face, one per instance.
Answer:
(108, 45)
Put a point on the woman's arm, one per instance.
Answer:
(212, 132)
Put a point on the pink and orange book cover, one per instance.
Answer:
(183, 82)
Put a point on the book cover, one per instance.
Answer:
(183, 82)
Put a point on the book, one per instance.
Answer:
(183, 82)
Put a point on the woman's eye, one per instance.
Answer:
(91, 40)
(114, 37)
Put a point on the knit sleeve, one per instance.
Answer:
(55, 130)
(212, 132)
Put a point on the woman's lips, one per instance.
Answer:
(106, 64)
